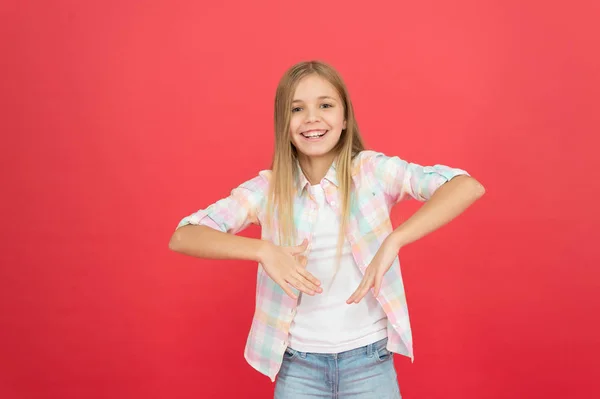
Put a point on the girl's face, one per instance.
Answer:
(317, 117)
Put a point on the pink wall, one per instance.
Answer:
(120, 117)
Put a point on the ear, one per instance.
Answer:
(344, 125)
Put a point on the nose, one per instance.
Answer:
(312, 115)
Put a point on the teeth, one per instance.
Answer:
(313, 135)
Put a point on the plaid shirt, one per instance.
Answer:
(380, 182)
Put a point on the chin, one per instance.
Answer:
(315, 154)
(315, 150)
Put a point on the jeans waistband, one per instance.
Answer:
(368, 350)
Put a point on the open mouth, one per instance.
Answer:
(314, 134)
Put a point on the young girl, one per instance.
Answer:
(330, 303)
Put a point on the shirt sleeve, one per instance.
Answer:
(234, 213)
(400, 178)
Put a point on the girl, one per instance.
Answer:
(330, 303)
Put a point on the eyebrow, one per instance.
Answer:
(320, 98)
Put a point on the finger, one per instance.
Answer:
(300, 248)
(302, 260)
(287, 290)
(377, 286)
(300, 285)
(363, 289)
(308, 280)
(355, 293)
(306, 274)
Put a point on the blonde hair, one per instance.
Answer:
(284, 177)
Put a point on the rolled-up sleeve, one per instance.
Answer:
(400, 178)
(234, 213)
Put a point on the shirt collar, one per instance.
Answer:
(303, 182)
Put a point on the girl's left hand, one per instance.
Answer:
(374, 273)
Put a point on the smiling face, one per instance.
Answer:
(317, 117)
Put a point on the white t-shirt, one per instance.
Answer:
(325, 323)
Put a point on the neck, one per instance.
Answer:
(315, 168)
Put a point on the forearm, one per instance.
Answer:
(449, 201)
(208, 243)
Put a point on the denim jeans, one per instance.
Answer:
(363, 373)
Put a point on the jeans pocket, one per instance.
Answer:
(289, 354)
(383, 354)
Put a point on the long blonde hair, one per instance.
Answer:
(284, 176)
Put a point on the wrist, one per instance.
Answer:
(262, 250)
(398, 239)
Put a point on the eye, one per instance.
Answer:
(297, 109)
(326, 105)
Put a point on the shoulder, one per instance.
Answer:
(367, 160)
(259, 184)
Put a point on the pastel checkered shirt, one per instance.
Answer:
(380, 182)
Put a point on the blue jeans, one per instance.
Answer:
(362, 373)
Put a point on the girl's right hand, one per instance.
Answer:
(286, 266)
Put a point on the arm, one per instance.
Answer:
(447, 202)
(281, 264)
(211, 232)
(447, 192)
(206, 242)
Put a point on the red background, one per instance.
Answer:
(121, 117)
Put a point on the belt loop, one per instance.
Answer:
(370, 349)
